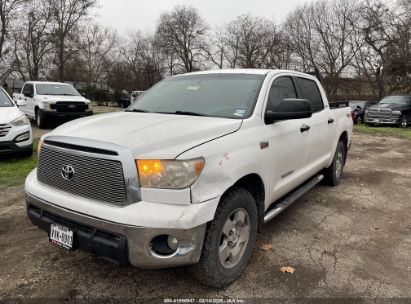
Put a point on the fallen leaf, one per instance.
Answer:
(287, 269)
(266, 246)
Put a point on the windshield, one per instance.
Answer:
(56, 89)
(216, 95)
(397, 100)
(357, 103)
(5, 101)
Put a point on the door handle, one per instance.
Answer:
(305, 128)
(330, 120)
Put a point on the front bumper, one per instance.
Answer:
(125, 244)
(388, 121)
(66, 115)
(11, 147)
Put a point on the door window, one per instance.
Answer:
(310, 91)
(282, 88)
(28, 90)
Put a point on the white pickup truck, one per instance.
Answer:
(43, 101)
(189, 173)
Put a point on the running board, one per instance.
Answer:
(291, 198)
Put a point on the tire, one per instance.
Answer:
(216, 271)
(404, 122)
(333, 174)
(358, 120)
(39, 117)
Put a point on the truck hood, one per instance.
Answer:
(393, 107)
(150, 135)
(55, 98)
(8, 114)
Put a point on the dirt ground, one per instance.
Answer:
(353, 241)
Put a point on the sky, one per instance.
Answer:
(125, 15)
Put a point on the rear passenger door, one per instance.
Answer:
(322, 131)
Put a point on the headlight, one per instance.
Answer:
(169, 174)
(90, 106)
(22, 137)
(46, 105)
(21, 121)
(398, 113)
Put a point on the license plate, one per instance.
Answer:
(61, 235)
(376, 120)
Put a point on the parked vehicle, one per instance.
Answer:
(124, 100)
(190, 172)
(135, 95)
(394, 110)
(43, 101)
(358, 109)
(15, 129)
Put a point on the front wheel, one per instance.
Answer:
(333, 174)
(404, 122)
(229, 240)
(40, 119)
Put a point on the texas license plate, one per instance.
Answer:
(61, 235)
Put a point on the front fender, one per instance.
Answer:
(228, 159)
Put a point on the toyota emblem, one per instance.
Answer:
(67, 172)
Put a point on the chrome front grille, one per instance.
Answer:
(94, 178)
(4, 130)
(379, 113)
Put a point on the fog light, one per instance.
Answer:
(172, 242)
(22, 137)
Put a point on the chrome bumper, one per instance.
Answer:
(138, 239)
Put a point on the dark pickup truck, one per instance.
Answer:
(394, 110)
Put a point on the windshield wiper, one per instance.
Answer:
(138, 111)
(188, 113)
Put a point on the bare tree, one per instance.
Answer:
(33, 39)
(384, 39)
(322, 35)
(215, 49)
(96, 45)
(182, 34)
(249, 40)
(66, 17)
(145, 59)
(8, 8)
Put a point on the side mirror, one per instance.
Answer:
(21, 102)
(289, 109)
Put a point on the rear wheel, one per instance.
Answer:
(333, 174)
(358, 120)
(229, 240)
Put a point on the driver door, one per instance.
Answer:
(287, 142)
(28, 97)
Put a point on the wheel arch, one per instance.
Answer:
(254, 184)
(344, 138)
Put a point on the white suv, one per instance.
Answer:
(15, 129)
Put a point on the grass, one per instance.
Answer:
(393, 131)
(13, 171)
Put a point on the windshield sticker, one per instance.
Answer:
(239, 113)
(192, 88)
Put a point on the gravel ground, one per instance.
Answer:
(353, 241)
